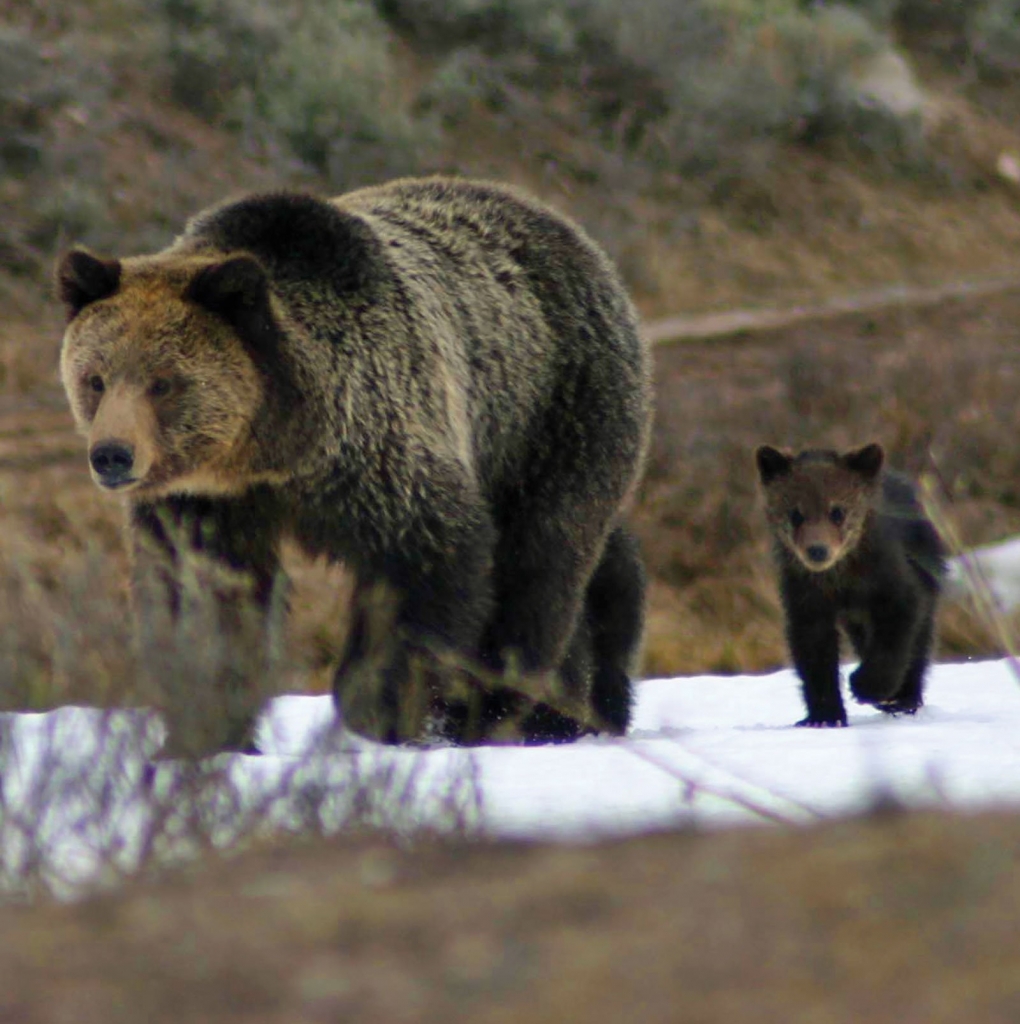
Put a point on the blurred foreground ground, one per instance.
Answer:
(892, 918)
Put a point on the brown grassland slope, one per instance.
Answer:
(937, 380)
(111, 143)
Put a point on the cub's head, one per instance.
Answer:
(817, 502)
(161, 364)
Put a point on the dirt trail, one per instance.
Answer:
(873, 301)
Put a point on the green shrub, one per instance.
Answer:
(993, 36)
(215, 47)
(27, 95)
(50, 104)
(316, 75)
(330, 91)
(697, 87)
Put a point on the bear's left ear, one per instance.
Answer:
(772, 463)
(83, 278)
(237, 289)
(866, 461)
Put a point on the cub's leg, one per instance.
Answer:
(894, 623)
(814, 646)
(910, 695)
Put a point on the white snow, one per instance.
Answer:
(707, 751)
(997, 566)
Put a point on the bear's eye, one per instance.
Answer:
(796, 518)
(159, 387)
(96, 384)
(836, 515)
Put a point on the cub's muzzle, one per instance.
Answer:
(817, 553)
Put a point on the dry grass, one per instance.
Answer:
(66, 631)
(936, 382)
(806, 222)
(91, 795)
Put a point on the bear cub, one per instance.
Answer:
(855, 551)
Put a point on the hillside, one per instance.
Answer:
(730, 156)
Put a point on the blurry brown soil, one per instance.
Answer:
(894, 918)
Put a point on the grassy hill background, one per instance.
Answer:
(728, 153)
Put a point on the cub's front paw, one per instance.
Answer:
(897, 706)
(870, 686)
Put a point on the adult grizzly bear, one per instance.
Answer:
(437, 382)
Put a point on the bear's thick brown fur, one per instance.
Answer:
(437, 382)
(854, 550)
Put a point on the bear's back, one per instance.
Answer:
(903, 519)
(484, 311)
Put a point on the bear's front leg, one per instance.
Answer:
(205, 582)
(814, 646)
(419, 611)
(894, 622)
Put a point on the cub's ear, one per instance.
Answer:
(866, 461)
(237, 289)
(772, 463)
(83, 278)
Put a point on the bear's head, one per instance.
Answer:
(161, 362)
(818, 502)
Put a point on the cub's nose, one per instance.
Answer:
(112, 462)
(818, 553)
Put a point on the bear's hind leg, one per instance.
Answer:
(615, 609)
(549, 616)
(417, 613)
(541, 577)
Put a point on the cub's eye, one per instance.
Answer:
(796, 518)
(96, 384)
(836, 515)
(159, 387)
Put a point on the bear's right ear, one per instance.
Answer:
(83, 278)
(237, 289)
(232, 285)
(772, 463)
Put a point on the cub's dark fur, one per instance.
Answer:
(854, 549)
(437, 382)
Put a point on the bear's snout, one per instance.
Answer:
(112, 462)
(818, 553)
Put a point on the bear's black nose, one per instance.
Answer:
(112, 462)
(818, 552)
